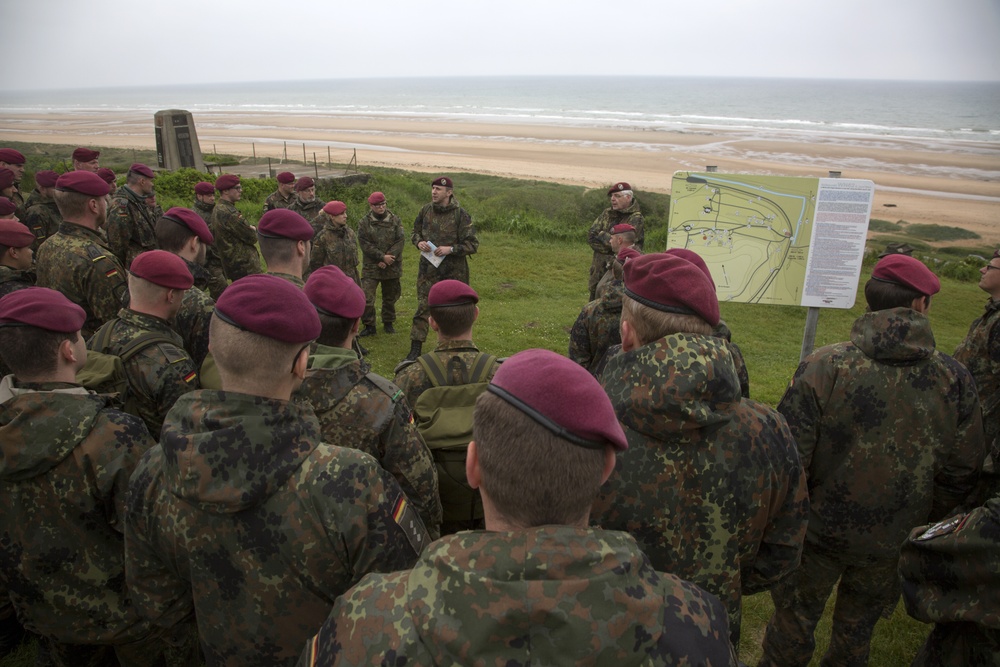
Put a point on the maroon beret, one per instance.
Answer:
(443, 181)
(83, 182)
(619, 187)
(333, 293)
(622, 228)
(451, 293)
(226, 182)
(286, 177)
(281, 223)
(304, 183)
(6, 178)
(560, 395)
(672, 285)
(335, 208)
(7, 207)
(43, 308)
(269, 306)
(628, 253)
(85, 154)
(46, 178)
(191, 220)
(908, 272)
(14, 234)
(142, 170)
(376, 198)
(204, 188)
(11, 156)
(694, 258)
(162, 268)
(107, 174)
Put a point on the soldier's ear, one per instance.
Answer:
(609, 463)
(472, 472)
(629, 339)
(301, 363)
(476, 316)
(432, 324)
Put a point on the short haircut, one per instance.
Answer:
(71, 204)
(335, 329)
(533, 476)
(623, 192)
(628, 237)
(143, 293)
(133, 177)
(172, 236)
(454, 320)
(881, 295)
(247, 356)
(651, 324)
(277, 251)
(3, 251)
(31, 352)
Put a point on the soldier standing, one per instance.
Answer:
(130, 219)
(242, 517)
(442, 229)
(358, 408)
(75, 260)
(108, 176)
(381, 236)
(14, 160)
(306, 203)
(284, 196)
(204, 204)
(67, 459)
(711, 486)
(85, 159)
(236, 240)
(336, 243)
(891, 436)
(182, 232)
(42, 217)
(556, 591)
(286, 243)
(158, 373)
(16, 241)
(624, 209)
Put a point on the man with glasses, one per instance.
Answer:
(980, 353)
(380, 234)
(624, 209)
(236, 240)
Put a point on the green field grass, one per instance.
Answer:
(531, 274)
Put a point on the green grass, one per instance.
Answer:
(531, 274)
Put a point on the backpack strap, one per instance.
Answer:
(434, 368)
(481, 367)
(142, 341)
(440, 376)
(102, 338)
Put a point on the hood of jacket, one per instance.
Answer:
(894, 336)
(41, 424)
(333, 373)
(681, 382)
(226, 452)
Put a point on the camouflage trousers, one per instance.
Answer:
(427, 276)
(154, 650)
(864, 592)
(390, 295)
(598, 267)
(217, 282)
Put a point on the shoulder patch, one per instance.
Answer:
(943, 528)
(174, 354)
(390, 389)
(403, 364)
(407, 519)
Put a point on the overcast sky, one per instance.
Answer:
(60, 44)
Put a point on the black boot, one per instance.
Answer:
(415, 346)
(389, 329)
(368, 331)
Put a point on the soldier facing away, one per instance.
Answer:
(553, 590)
(891, 437)
(204, 204)
(42, 215)
(285, 239)
(241, 517)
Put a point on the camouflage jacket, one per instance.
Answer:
(889, 432)
(599, 234)
(43, 219)
(12, 280)
(711, 486)
(64, 470)
(213, 263)
(130, 226)
(76, 262)
(276, 200)
(721, 330)
(951, 577)
(553, 595)
(193, 319)
(310, 210)
(244, 518)
(449, 225)
(203, 210)
(359, 409)
(597, 328)
(411, 378)
(33, 198)
(158, 374)
(980, 353)
(336, 245)
(379, 238)
(293, 279)
(235, 241)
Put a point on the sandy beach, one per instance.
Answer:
(954, 183)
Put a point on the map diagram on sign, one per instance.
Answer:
(755, 232)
